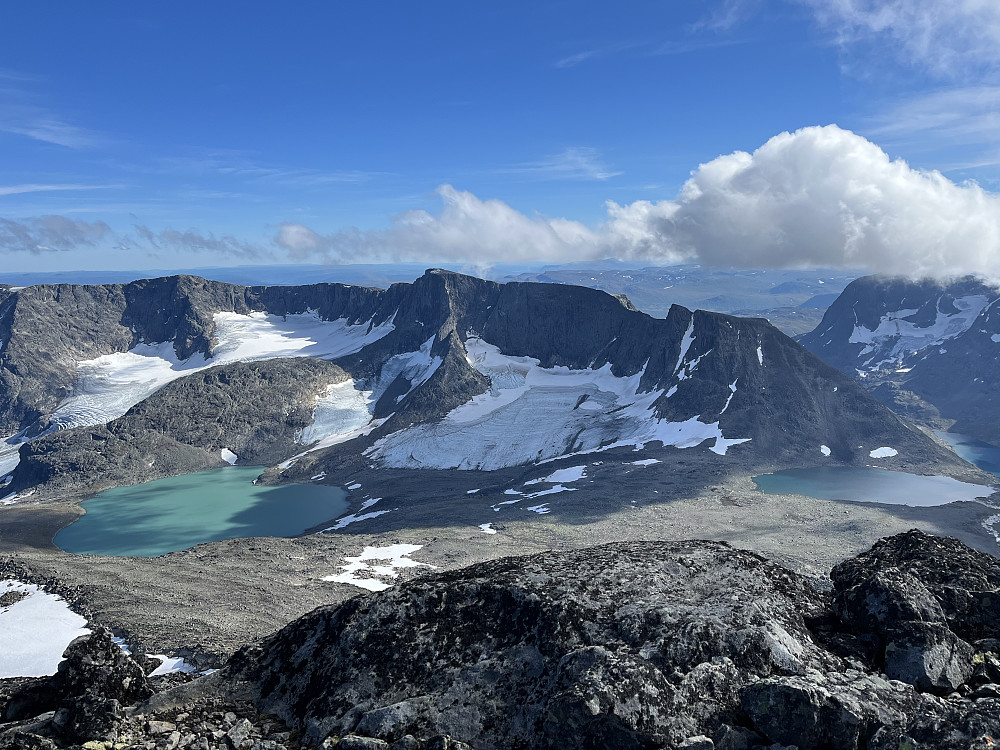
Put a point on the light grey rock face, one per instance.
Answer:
(928, 349)
(929, 656)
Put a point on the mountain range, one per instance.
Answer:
(116, 384)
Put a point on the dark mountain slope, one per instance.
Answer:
(929, 349)
(255, 410)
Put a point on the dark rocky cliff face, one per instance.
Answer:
(928, 349)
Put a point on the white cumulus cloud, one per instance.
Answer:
(826, 196)
(820, 196)
(468, 229)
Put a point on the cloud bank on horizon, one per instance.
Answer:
(821, 196)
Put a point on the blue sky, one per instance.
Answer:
(156, 134)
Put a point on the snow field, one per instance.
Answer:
(906, 338)
(569, 475)
(345, 521)
(883, 452)
(363, 572)
(531, 414)
(35, 631)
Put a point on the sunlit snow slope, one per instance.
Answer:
(108, 386)
(532, 413)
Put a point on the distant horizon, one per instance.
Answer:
(391, 271)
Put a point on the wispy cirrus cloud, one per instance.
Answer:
(953, 39)
(571, 61)
(573, 163)
(967, 114)
(23, 113)
(693, 44)
(242, 166)
(46, 188)
(191, 241)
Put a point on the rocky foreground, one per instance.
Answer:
(641, 645)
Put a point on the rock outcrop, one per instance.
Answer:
(650, 646)
(95, 681)
(671, 645)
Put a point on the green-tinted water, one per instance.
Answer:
(866, 485)
(172, 514)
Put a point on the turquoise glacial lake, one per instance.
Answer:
(168, 515)
(865, 485)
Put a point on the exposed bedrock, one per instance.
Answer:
(641, 645)
(649, 645)
(739, 379)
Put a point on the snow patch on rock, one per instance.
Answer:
(108, 386)
(345, 521)
(35, 631)
(883, 452)
(895, 338)
(363, 572)
(568, 475)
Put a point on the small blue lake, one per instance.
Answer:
(866, 485)
(984, 455)
(167, 515)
